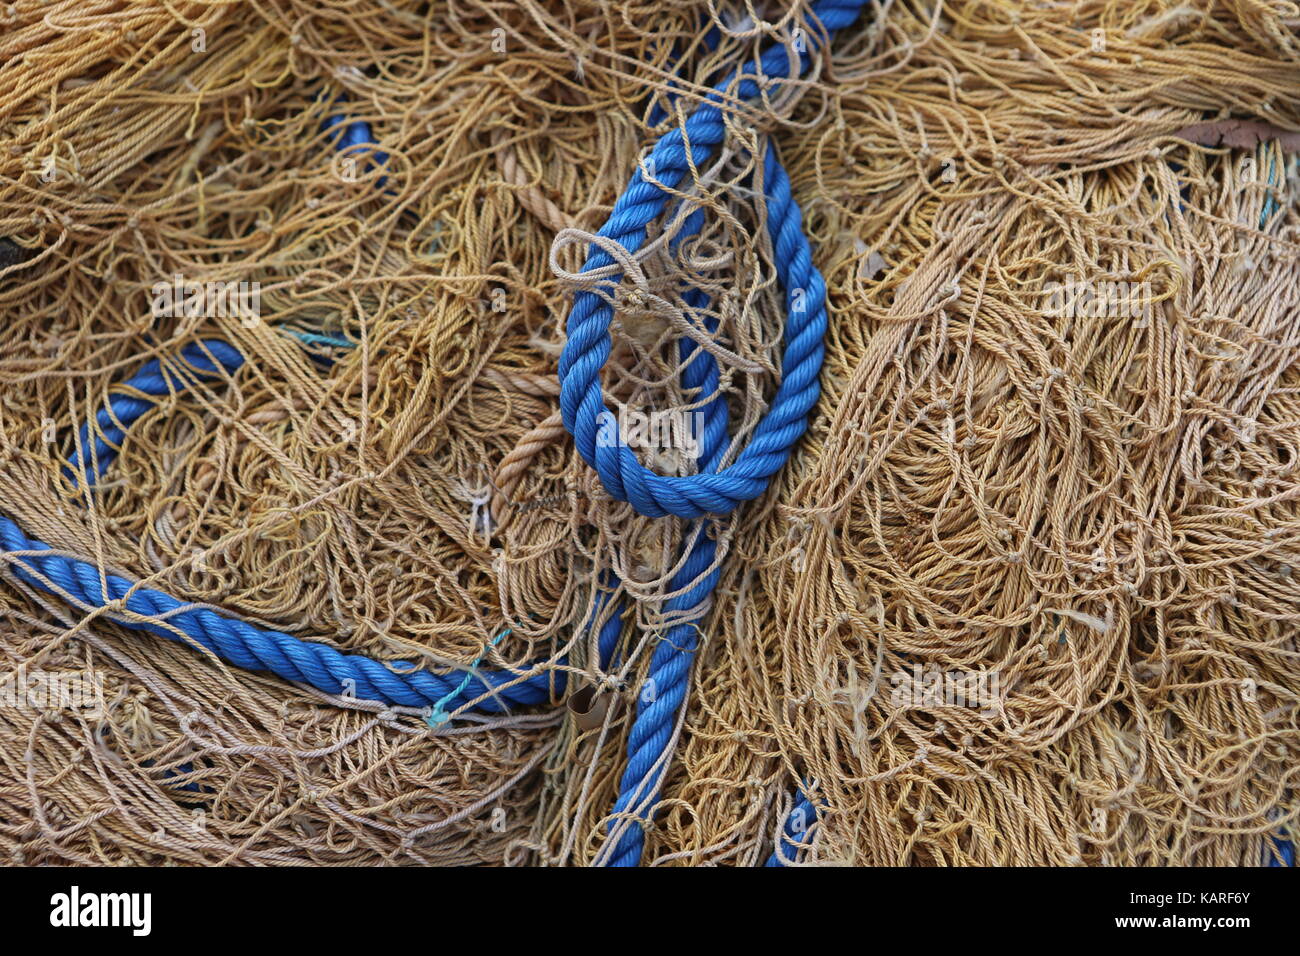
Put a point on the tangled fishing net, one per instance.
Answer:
(1056, 445)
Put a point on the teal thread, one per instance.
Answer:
(439, 716)
(315, 338)
(1270, 204)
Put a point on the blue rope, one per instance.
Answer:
(711, 490)
(205, 359)
(254, 648)
(588, 345)
(355, 137)
(231, 639)
(1285, 855)
(801, 818)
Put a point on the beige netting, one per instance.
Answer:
(1056, 446)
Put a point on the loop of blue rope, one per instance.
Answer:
(713, 489)
(588, 342)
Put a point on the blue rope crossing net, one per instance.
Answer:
(381, 252)
(713, 490)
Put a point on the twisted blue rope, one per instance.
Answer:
(233, 640)
(254, 648)
(588, 344)
(713, 490)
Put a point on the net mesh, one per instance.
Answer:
(1022, 595)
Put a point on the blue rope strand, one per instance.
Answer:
(712, 490)
(254, 648)
(204, 361)
(229, 638)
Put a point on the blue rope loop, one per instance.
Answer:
(588, 343)
(710, 491)
(713, 490)
(588, 340)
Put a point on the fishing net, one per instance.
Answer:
(1056, 458)
(1053, 458)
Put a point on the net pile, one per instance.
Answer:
(1055, 448)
